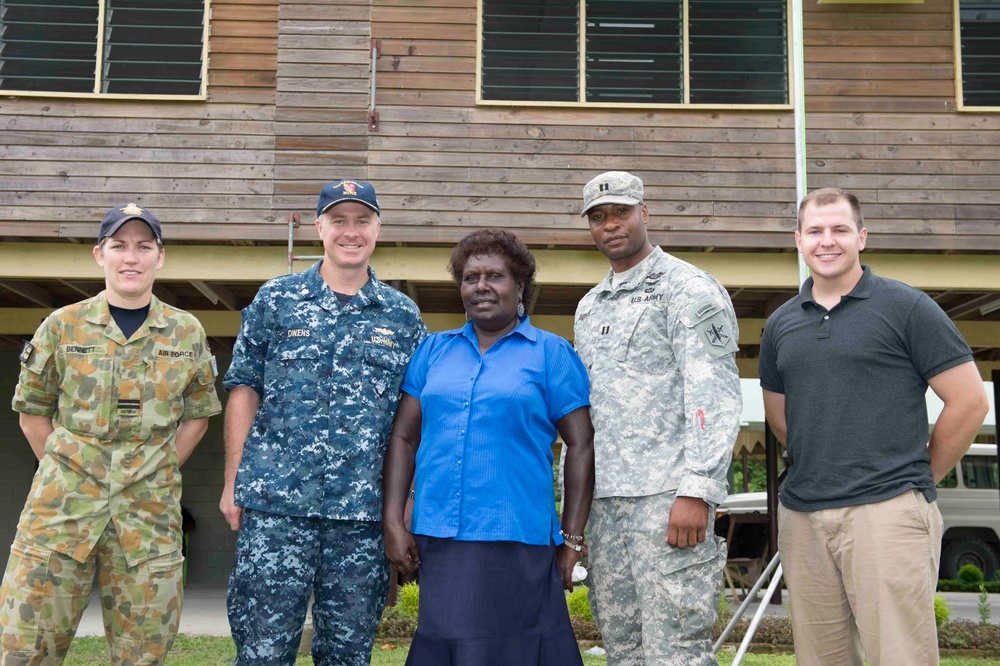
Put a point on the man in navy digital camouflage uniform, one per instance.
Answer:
(313, 387)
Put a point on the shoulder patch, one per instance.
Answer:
(703, 309)
(26, 352)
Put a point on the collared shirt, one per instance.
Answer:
(854, 379)
(328, 375)
(115, 405)
(665, 390)
(488, 422)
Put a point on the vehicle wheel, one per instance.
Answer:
(968, 551)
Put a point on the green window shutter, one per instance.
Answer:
(153, 47)
(48, 45)
(635, 51)
(738, 51)
(980, 37)
(530, 50)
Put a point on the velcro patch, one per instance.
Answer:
(702, 310)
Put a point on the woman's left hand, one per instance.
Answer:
(401, 549)
(567, 559)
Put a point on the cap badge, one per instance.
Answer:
(132, 209)
(604, 187)
(350, 188)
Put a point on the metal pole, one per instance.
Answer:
(746, 602)
(799, 104)
(752, 629)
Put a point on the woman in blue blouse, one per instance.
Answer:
(481, 407)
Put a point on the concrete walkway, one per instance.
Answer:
(963, 605)
(205, 611)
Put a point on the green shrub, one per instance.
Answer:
(396, 624)
(942, 612)
(970, 573)
(408, 600)
(579, 604)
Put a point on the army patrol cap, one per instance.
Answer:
(347, 190)
(612, 187)
(116, 218)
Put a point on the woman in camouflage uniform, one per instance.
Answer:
(114, 394)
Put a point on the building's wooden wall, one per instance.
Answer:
(203, 166)
(881, 116)
(444, 164)
(289, 89)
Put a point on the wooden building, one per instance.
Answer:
(481, 113)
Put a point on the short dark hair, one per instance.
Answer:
(830, 195)
(499, 242)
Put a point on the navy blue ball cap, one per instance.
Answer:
(347, 190)
(116, 218)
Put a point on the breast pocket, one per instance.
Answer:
(166, 380)
(86, 388)
(628, 342)
(382, 375)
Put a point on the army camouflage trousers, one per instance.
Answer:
(279, 561)
(44, 594)
(655, 605)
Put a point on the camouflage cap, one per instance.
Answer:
(612, 187)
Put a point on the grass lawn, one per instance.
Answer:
(210, 651)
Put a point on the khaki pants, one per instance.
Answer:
(44, 594)
(862, 582)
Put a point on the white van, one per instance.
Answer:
(969, 499)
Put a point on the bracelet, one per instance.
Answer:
(571, 537)
(411, 494)
(575, 546)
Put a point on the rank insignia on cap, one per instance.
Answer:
(26, 352)
(132, 209)
(717, 336)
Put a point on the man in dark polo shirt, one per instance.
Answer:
(845, 367)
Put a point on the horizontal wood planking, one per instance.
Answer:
(194, 163)
(881, 120)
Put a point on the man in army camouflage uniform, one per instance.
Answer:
(314, 386)
(114, 394)
(658, 338)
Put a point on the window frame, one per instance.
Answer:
(960, 104)
(581, 99)
(99, 68)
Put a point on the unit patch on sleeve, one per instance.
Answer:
(26, 352)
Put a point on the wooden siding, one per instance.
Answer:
(289, 89)
(201, 166)
(881, 118)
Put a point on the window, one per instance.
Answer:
(650, 52)
(107, 47)
(978, 25)
(980, 472)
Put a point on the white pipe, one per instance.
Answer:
(799, 103)
(752, 629)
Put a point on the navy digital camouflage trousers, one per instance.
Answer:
(655, 605)
(280, 560)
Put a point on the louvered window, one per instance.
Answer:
(980, 38)
(635, 51)
(118, 47)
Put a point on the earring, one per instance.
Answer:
(520, 308)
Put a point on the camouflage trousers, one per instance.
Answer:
(279, 561)
(44, 594)
(654, 605)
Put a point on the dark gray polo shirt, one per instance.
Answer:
(855, 379)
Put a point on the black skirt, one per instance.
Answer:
(491, 603)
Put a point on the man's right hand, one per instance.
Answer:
(233, 513)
